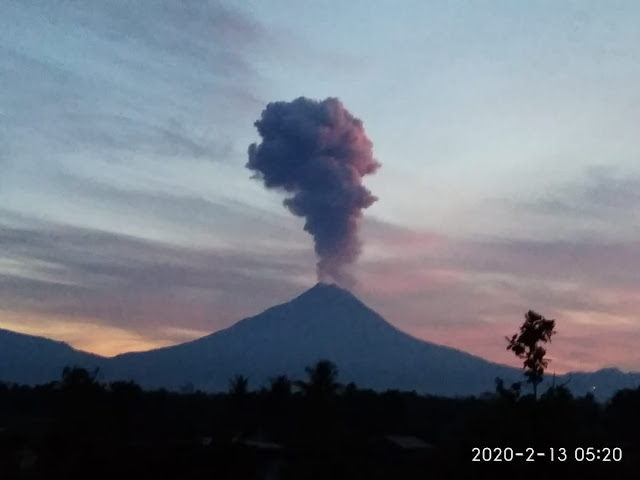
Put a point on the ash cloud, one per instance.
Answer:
(318, 152)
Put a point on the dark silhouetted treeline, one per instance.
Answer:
(305, 428)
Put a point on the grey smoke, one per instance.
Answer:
(318, 152)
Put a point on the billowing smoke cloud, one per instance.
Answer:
(319, 152)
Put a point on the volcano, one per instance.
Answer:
(325, 322)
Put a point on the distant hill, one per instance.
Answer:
(606, 382)
(325, 322)
(32, 360)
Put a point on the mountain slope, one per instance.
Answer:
(28, 359)
(324, 322)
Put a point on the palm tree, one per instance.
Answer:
(238, 404)
(319, 391)
(280, 387)
(79, 379)
(322, 384)
(239, 386)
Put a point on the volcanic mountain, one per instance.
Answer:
(325, 322)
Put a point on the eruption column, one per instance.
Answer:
(318, 152)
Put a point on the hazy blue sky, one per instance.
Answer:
(507, 133)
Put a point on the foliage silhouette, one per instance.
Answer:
(77, 378)
(535, 330)
(280, 387)
(319, 431)
(511, 394)
(322, 381)
(239, 386)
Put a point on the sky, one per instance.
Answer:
(507, 134)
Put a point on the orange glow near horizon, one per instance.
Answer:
(82, 335)
(578, 350)
(583, 341)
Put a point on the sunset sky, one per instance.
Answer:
(508, 134)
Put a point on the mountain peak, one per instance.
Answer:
(326, 292)
(327, 287)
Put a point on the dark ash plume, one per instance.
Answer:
(319, 152)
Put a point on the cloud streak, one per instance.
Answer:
(123, 79)
(470, 293)
(142, 286)
(467, 294)
(603, 202)
(123, 130)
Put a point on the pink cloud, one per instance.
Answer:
(467, 294)
(377, 280)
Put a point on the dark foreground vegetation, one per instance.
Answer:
(317, 428)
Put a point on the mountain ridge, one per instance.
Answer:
(323, 322)
(31, 359)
